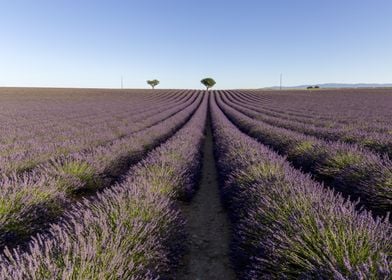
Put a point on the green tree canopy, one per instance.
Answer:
(153, 83)
(208, 82)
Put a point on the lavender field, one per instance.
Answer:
(195, 184)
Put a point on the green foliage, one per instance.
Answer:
(388, 182)
(9, 205)
(153, 83)
(141, 211)
(329, 241)
(345, 159)
(26, 165)
(264, 170)
(208, 82)
(76, 175)
(161, 179)
(17, 210)
(303, 147)
(336, 163)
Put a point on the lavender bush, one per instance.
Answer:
(350, 169)
(33, 200)
(131, 231)
(375, 141)
(335, 109)
(45, 143)
(287, 226)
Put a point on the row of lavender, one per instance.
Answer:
(327, 108)
(380, 142)
(287, 226)
(29, 155)
(22, 108)
(59, 113)
(131, 231)
(348, 168)
(24, 150)
(305, 108)
(364, 109)
(31, 200)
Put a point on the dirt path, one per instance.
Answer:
(208, 226)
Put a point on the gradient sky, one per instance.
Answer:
(242, 44)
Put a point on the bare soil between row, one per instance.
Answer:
(208, 225)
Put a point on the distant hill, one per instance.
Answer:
(337, 85)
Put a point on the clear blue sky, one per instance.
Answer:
(242, 44)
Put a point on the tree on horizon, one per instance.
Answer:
(153, 83)
(208, 83)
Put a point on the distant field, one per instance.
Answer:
(138, 184)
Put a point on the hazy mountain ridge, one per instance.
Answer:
(338, 85)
